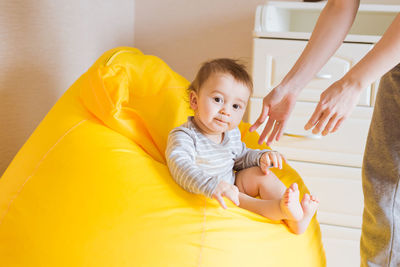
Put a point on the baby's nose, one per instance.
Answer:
(225, 111)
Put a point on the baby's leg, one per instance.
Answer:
(277, 202)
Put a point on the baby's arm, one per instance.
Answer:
(247, 157)
(265, 159)
(180, 155)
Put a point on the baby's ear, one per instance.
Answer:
(193, 100)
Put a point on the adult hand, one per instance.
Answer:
(335, 105)
(227, 190)
(277, 106)
(271, 159)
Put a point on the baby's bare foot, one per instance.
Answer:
(290, 205)
(309, 203)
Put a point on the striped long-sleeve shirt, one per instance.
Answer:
(198, 164)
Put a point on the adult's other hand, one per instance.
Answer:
(335, 105)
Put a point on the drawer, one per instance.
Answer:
(273, 58)
(344, 147)
(338, 189)
(342, 246)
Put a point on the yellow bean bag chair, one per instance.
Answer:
(91, 188)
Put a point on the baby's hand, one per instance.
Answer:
(271, 159)
(230, 191)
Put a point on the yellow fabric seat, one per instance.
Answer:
(90, 187)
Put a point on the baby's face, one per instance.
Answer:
(220, 104)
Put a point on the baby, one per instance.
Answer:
(205, 155)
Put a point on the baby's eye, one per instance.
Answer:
(218, 99)
(236, 106)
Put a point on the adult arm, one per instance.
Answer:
(340, 98)
(331, 28)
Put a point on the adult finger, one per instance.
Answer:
(314, 118)
(274, 132)
(221, 201)
(323, 120)
(332, 122)
(281, 130)
(263, 116)
(266, 131)
(338, 123)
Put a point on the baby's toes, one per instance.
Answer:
(314, 199)
(306, 198)
(294, 187)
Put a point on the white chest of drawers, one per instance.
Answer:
(331, 165)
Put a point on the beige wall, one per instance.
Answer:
(186, 33)
(45, 46)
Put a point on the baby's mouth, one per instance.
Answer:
(221, 121)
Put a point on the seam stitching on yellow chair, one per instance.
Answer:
(203, 233)
(111, 58)
(36, 168)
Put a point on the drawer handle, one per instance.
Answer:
(323, 76)
(304, 136)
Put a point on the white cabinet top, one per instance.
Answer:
(296, 20)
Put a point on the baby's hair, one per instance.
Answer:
(221, 65)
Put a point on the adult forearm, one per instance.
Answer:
(331, 28)
(384, 56)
